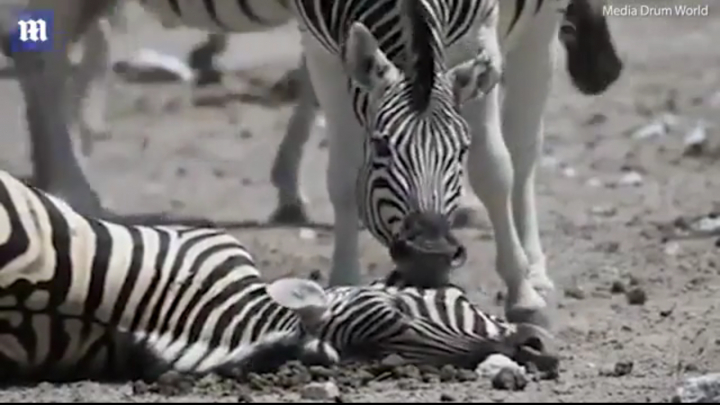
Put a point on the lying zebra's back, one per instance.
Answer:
(70, 284)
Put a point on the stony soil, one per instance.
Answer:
(635, 306)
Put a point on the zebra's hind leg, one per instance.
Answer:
(285, 172)
(526, 94)
(490, 172)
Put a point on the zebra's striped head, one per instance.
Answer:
(410, 181)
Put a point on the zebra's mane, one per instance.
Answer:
(421, 61)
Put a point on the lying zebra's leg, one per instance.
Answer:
(490, 172)
(92, 81)
(526, 94)
(285, 172)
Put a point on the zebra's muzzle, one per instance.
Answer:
(425, 251)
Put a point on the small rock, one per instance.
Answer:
(575, 292)
(316, 275)
(569, 172)
(636, 296)
(671, 248)
(594, 182)
(307, 234)
(652, 130)
(495, 363)
(596, 119)
(549, 161)
(623, 368)
(246, 134)
(393, 360)
(696, 139)
(619, 369)
(630, 179)
(509, 379)
(445, 397)
(701, 389)
(603, 210)
(618, 287)
(320, 391)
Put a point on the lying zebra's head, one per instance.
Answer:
(416, 142)
(423, 326)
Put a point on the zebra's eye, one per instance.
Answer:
(381, 147)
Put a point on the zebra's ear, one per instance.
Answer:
(474, 78)
(306, 297)
(365, 62)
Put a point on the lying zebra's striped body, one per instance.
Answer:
(83, 298)
(68, 283)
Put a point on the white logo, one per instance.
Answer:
(33, 30)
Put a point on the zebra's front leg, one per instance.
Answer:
(42, 77)
(345, 138)
(285, 172)
(528, 73)
(491, 176)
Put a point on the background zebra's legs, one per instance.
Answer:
(345, 136)
(43, 78)
(285, 172)
(529, 71)
(91, 83)
(490, 170)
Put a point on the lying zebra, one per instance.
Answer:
(82, 298)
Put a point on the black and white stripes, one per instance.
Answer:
(83, 298)
(73, 288)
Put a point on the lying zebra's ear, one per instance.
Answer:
(474, 78)
(365, 62)
(307, 298)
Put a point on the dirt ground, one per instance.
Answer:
(603, 232)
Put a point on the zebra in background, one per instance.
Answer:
(57, 160)
(81, 297)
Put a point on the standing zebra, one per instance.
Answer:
(79, 296)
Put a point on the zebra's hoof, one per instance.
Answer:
(293, 214)
(533, 316)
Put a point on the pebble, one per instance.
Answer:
(393, 360)
(445, 397)
(636, 296)
(307, 234)
(631, 178)
(671, 248)
(509, 379)
(320, 391)
(575, 292)
(603, 210)
(495, 363)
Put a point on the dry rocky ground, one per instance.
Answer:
(636, 312)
